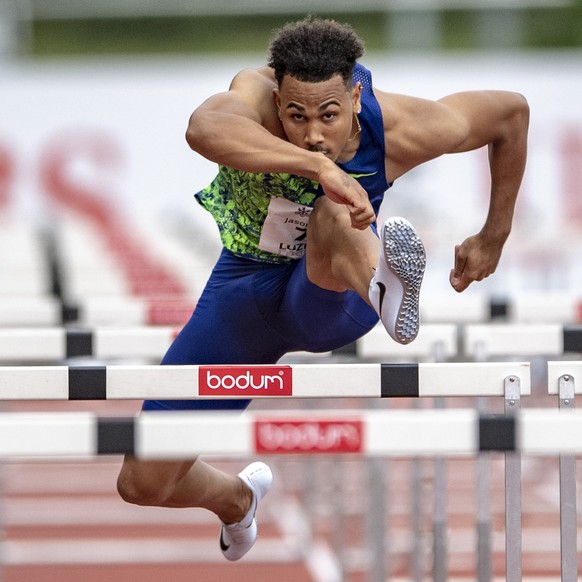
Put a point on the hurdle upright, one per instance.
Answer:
(540, 339)
(565, 381)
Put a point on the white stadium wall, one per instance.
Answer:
(82, 132)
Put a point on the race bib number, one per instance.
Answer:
(285, 229)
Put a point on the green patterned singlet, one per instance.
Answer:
(239, 201)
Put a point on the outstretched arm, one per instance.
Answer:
(460, 123)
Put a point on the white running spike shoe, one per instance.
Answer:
(395, 288)
(236, 539)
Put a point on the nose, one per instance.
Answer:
(313, 135)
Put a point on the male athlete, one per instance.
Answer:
(306, 149)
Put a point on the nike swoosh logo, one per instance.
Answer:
(382, 293)
(363, 175)
(223, 546)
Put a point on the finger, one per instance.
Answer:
(461, 284)
(361, 217)
(459, 267)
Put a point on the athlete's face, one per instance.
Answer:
(319, 116)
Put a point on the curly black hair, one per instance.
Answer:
(314, 50)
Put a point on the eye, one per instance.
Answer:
(329, 116)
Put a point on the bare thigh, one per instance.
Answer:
(339, 257)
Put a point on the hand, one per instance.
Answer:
(343, 189)
(475, 259)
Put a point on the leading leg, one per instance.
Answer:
(386, 274)
(339, 257)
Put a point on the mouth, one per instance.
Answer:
(318, 148)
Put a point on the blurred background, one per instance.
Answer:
(99, 227)
(98, 93)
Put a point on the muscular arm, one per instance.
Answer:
(477, 257)
(231, 129)
(460, 123)
(240, 129)
(500, 121)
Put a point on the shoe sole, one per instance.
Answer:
(406, 258)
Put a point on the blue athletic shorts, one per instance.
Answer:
(254, 313)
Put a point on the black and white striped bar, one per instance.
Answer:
(59, 343)
(29, 311)
(256, 381)
(370, 433)
(521, 339)
(125, 310)
(149, 343)
(556, 307)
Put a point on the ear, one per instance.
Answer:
(357, 97)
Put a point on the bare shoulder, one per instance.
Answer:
(255, 87)
(413, 130)
(254, 81)
(406, 111)
(417, 130)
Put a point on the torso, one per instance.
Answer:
(240, 201)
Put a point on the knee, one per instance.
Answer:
(327, 219)
(325, 211)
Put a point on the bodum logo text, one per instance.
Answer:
(319, 436)
(250, 381)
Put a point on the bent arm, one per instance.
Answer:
(421, 130)
(231, 129)
(503, 121)
(499, 120)
(241, 129)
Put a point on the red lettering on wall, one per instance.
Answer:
(97, 152)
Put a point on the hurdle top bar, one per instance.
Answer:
(124, 310)
(48, 344)
(60, 343)
(433, 339)
(278, 381)
(181, 435)
(522, 339)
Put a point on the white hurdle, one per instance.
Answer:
(176, 435)
(435, 341)
(29, 311)
(371, 433)
(521, 339)
(55, 344)
(260, 381)
(282, 381)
